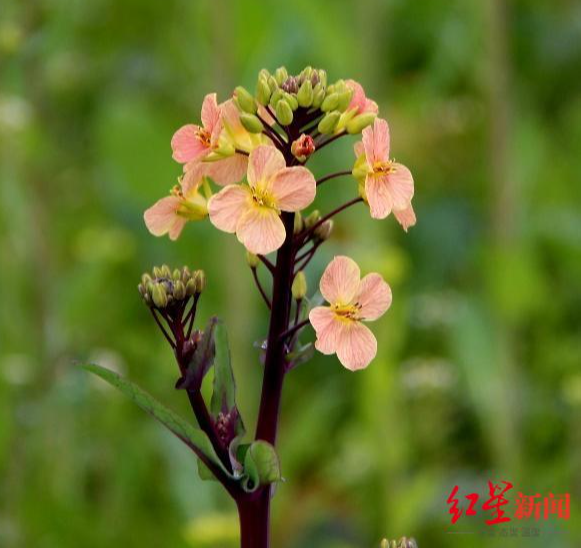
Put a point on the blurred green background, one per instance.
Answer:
(478, 374)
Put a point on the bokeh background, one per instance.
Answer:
(478, 374)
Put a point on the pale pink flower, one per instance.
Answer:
(359, 102)
(252, 210)
(185, 203)
(192, 142)
(352, 300)
(388, 186)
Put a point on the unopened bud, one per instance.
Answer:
(272, 83)
(290, 85)
(252, 260)
(276, 96)
(407, 543)
(298, 226)
(305, 94)
(165, 271)
(313, 218)
(318, 95)
(186, 274)
(200, 279)
(303, 147)
(176, 274)
(322, 77)
(191, 287)
(159, 295)
(344, 99)
(251, 123)
(324, 230)
(360, 122)
(263, 92)
(284, 113)
(291, 100)
(281, 75)
(299, 287)
(157, 272)
(179, 290)
(245, 100)
(328, 123)
(146, 279)
(330, 102)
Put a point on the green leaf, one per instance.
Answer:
(224, 396)
(261, 466)
(191, 436)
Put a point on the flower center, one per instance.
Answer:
(383, 168)
(349, 312)
(204, 136)
(263, 198)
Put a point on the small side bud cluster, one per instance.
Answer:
(162, 288)
(403, 542)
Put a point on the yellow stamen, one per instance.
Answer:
(383, 168)
(347, 312)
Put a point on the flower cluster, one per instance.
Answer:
(244, 167)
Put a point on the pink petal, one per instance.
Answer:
(376, 141)
(193, 176)
(176, 229)
(356, 347)
(231, 116)
(359, 101)
(358, 148)
(266, 116)
(186, 146)
(227, 207)
(340, 280)
(400, 186)
(294, 188)
(264, 162)
(162, 216)
(261, 230)
(378, 196)
(373, 296)
(210, 112)
(405, 217)
(327, 327)
(227, 171)
(371, 106)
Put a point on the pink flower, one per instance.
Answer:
(170, 214)
(359, 102)
(192, 142)
(352, 300)
(388, 186)
(252, 210)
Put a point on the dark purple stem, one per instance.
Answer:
(332, 176)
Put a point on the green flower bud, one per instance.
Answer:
(323, 231)
(245, 100)
(306, 73)
(252, 260)
(186, 274)
(313, 218)
(179, 290)
(291, 100)
(251, 123)
(330, 102)
(263, 92)
(344, 99)
(165, 271)
(360, 122)
(318, 95)
(299, 287)
(157, 272)
(305, 94)
(340, 86)
(159, 295)
(331, 89)
(191, 287)
(176, 274)
(328, 123)
(281, 75)
(276, 96)
(264, 74)
(200, 279)
(284, 113)
(272, 83)
(146, 279)
(322, 77)
(298, 226)
(142, 290)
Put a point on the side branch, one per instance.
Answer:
(332, 176)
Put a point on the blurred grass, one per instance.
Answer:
(478, 372)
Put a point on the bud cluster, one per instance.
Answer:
(163, 288)
(321, 233)
(286, 94)
(403, 542)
